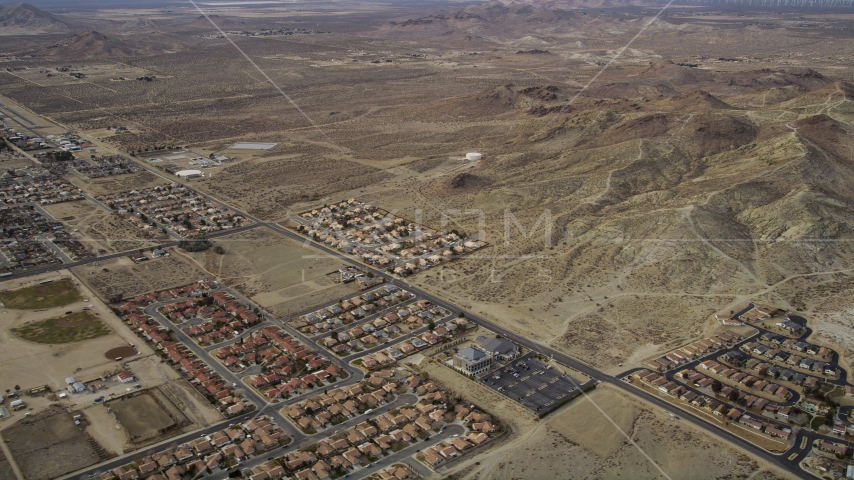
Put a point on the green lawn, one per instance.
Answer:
(71, 328)
(54, 294)
(833, 391)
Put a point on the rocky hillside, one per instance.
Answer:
(25, 19)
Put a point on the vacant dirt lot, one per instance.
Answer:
(519, 419)
(118, 183)
(141, 416)
(123, 276)
(268, 188)
(31, 364)
(6, 470)
(50, 435)
(581, 440)
(276, 272)
(179, 397)
(98, 228)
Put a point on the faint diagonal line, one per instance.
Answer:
(262, 72)
(616, 55)
(628, 437)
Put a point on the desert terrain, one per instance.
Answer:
(539, 452)
(121, 276)
(670, 184)
(643, 169)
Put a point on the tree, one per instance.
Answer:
(431, 325)
(716, 386)
(733, 395)
(461, 315)
(17, 388)
(334, 335)
(219, 250)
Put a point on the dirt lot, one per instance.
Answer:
(51, 434)
(578, 438)
(118, 183)
(519, 419)
(185, 403)
(123, 276)
(6, 470)
(278, 273)
(581, 440)
(98, 228)
(141, 416)
(31, 364)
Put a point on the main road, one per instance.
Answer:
(791, 466)
(780, 461)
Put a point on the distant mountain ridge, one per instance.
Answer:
(89, 44)
(23, 18)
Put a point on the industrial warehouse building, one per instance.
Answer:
(188, 174)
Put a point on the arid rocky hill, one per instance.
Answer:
(25, 19)
(89, 44)
(657, 193)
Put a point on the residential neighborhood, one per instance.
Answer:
(379, 238)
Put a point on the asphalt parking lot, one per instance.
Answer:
(533, 384)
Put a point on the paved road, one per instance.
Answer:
(449, 431)
(395, 341)
(400, 401)
(777, 460)
(63, 266)
(227, 375)
(165, 444)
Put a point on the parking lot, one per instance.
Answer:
(533, 384)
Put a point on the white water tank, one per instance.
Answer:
(473, 156)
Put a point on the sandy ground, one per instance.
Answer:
(580, 441)
(518, 418)
(151, 372)
(7, 468)
(274, 271)
(50, 434)
(31, 364)
(123, 276)
(97, 228)
(118, 183)
(140, 415)
(105, 429)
